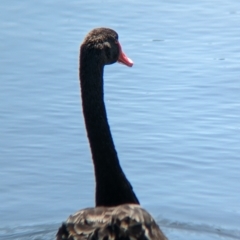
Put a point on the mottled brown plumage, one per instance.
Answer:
(117, 215)
(125, 222)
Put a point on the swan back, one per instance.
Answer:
(124, 222)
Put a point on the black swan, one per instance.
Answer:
(117, 215)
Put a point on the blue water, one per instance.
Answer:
(174, 116)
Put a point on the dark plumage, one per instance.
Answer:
(101, 47)
(124, 222)
(117, 214)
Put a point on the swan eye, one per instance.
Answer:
(108, 50)
(107, 45)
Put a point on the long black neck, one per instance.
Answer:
(112, 186)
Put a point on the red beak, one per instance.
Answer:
(123, 57)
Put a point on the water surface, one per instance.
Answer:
(174, 116)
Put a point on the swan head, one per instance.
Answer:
(104, 43)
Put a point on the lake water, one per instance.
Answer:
(174, 116)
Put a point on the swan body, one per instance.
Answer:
(117, 215)
(125, 222)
